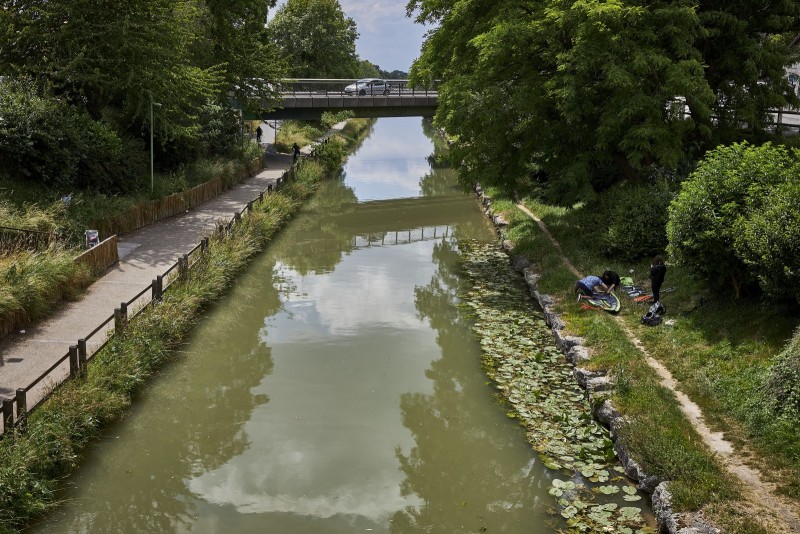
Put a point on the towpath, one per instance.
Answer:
(144, 254)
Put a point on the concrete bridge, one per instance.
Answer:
(307, 99)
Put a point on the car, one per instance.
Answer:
(368, 86)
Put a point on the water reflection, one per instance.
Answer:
(337, 389)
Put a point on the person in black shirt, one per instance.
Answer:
(657, 272)
(611, 280)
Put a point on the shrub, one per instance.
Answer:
(46, 140)
(329, 119)
(637, 219)
(783, 385)
(720, 224)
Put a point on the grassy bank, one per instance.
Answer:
(720, 351)
(32, 465)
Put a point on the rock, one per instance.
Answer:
(520, 263)
(500, 221)
(564, 343)
(583, 376)
(662, 509)
(635, 471)
(599, 383)
(578, 354)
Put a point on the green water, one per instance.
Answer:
(336, 389)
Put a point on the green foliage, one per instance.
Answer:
(46, 140)
(292, 132)
(329, 118)
(110, 62)
(735, 219)
(565, 91)
(637, 219)
(331, 155)
(316, 38)
(782, 387)
(31, 283)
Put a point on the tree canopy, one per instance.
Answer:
(316, 38)
(577, 93)
(194, 59)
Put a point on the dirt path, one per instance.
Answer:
(763, 501)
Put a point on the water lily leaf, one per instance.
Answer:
(608, 490)
(569, 512)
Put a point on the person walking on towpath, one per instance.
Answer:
(296, 152)
(585, 287)
(259, 131)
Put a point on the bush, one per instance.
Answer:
(637, 219)
(783, 386)
(330, 119)
(736, 219)
(43, 139)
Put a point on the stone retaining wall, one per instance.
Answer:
(597, 386)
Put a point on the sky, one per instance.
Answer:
(387, 37)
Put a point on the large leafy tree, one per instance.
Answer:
(316, 38)
(574, 92)
(103, 54)
(236, 39)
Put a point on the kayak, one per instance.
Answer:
(606, 302)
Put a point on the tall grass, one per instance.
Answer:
(292, 132)
(33, 282)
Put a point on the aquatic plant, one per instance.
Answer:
(536, 383)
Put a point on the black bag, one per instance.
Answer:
(651, 319)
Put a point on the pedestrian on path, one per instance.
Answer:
(296, 151)
(259, 131)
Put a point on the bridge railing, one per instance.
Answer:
(337, 86)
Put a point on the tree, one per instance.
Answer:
(561, 87)
(737, 219)
(316, 38)
(571, 92)
(102, 54)
(236, 39)
(745, 49)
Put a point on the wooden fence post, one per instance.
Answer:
(8, 415)
(249, 206)
(22, 410)
(121, 316)
(74, 368)
(83, 357)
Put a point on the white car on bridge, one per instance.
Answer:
(368, 86)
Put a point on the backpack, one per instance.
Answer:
(651, 319)
(653, 315)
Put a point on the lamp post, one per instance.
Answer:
(151, 141)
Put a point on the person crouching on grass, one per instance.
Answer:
(585, 287)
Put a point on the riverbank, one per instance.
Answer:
(32, 464)
(654, 430)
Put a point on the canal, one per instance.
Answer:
(337, 388)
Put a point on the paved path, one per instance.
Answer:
(144, 254)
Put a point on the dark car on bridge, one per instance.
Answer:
(368, 86)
